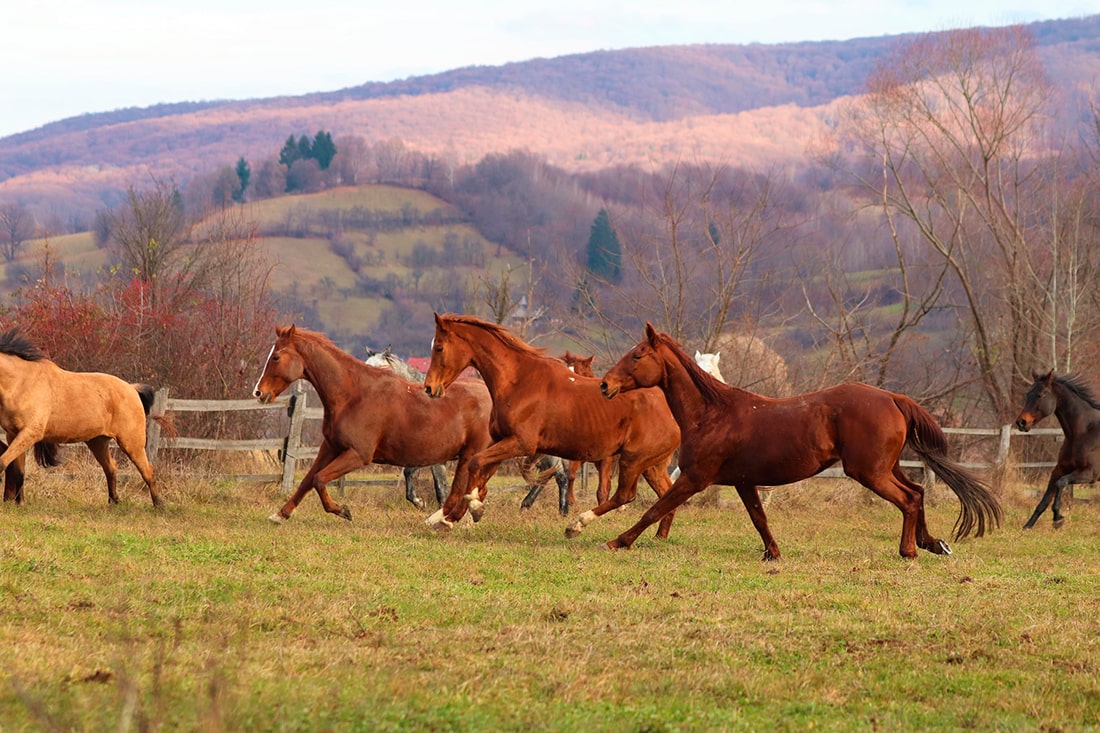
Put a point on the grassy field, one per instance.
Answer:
(204, 616)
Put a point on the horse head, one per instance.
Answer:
(642, 366)
(1039, 402)
(284, 366)
(450, 356)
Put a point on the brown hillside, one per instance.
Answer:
(740, 104)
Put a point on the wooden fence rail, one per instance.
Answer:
(291, 450)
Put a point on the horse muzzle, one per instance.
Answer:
(608, 390)
(434, 392)
(1023, 424)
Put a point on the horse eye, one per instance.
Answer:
(274, 357)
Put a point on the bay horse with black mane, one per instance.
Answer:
(42, 405)
(1077, 409)
(736, 438)
(540, 406)
(371, 415)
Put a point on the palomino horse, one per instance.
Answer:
(566, 474)
(371, 415)
(540, 406)
(737, 438)
(1078, 411)
(42, 404)
(387, 360)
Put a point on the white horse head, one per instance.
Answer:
(709, 364)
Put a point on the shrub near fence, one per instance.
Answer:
(291, 448)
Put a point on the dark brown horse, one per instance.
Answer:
(1078, 411)
(42, 405)
(371, 415)
(736, 438)
(540, 406)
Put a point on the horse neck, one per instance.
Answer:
(684, 397)
(492, 358)
(323, 369)
(1072, 411)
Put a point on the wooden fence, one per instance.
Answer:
(290, 448)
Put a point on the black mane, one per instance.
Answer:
(1076, 383)
(14, 343)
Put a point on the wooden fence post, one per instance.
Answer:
(152, 425)
(297, 412)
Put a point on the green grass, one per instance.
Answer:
(204, 616)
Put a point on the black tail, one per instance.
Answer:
(980, 507)
(46, 454)
(146, 393)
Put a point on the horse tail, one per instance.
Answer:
(980, 508)
(527, 465)
(146, 393)
(46, 454)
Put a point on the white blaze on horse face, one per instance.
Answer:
(256, 389)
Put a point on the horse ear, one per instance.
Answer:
(291, 330)
(1048, 377)
(650, 333)
(697, 355)
(438, 320)
(387, 352)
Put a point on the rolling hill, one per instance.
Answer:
(751, 104)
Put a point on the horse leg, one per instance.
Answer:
(325, 454)
(532, 494)
(101, 449)
(410, 487)
(924, 538)
(1044, 502)
(439, 481)
(135, 451)
(908, 500)
(750, 497)
(469, 485)
(658, 479)
(13, 480)
(342, 464)
(1084, 476)
(682, 490)
(571, 477)
(564, 489)
(603, 486)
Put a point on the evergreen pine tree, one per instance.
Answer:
(244, 175)
(604, 253)
(290, 152)
(323, 150)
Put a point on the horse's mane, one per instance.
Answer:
(14, 343)
(319, 339)
(711, 389)
(1076, 383)
(497, 331)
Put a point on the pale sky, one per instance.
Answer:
(61, 58)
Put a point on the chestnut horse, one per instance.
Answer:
(42, 404)
(371, 415)
(540, 406)
(565, 475)
(388, 360)
(740, 439)
(1078, 411)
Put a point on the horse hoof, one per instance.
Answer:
(438, 522)
(277, 518)
(345, 512)
(944, 548)
(477, 508)
(573, 531)
(1059, 522)
(416, 502)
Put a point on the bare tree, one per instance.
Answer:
(691, 259)
(16, 227)
(951, 140)
(148, 233)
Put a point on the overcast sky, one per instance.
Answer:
(60, 58)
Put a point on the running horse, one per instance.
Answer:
(540, 406)
(736, 438)
(1077, 409)
(565, 474)
(42, 405)
(386, 359)
(371, 415)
